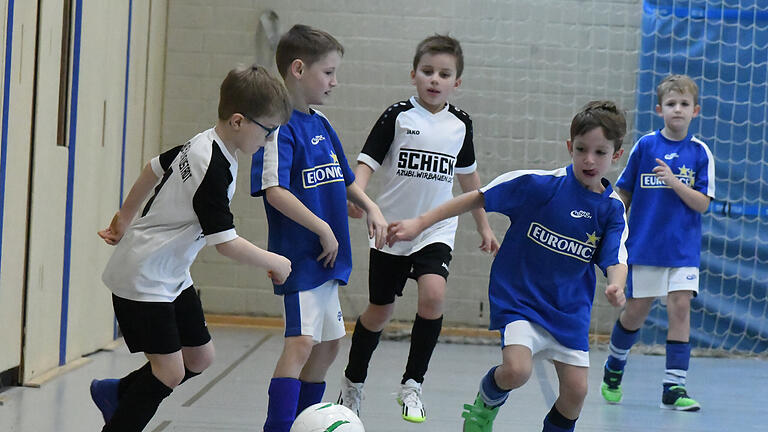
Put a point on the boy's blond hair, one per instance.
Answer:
(254, 92)
(604, 114)
(306, 44)
(678, 83)
(440, 44)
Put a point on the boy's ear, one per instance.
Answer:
(296, 68)
(617, 155)
(236, 121)
(458, 83)
(658, 109)
(696, 110)
(569, 144)
(413, 77)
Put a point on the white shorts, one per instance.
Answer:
(653, 281)
(541, 343)
(315, 313)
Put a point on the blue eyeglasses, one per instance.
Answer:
(269, 131)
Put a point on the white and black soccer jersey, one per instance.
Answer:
(418, 154)
(189, 209)
(544, 271)
(665, 232)
(306, 158)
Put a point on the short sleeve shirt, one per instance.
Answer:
(189, 209)
(664, 231)
(417, 153)
(544, 271)
(307, 159)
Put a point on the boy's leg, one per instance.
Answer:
(624, 335)
(312, 376)
(573, 390)
(149, 387)
(285, 387)
(495, 386)
(674, 395)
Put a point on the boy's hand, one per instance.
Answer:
(279, 269)
(664, 173)
(330, 247)
(615, 295)
(377, 227)
(489, 243)
(354, 211)
(403, 230)
(114, 232)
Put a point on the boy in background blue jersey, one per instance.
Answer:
(542, 281)
(306, 180)
(669, 180)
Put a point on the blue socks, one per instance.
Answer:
(621, 341)
(310, 394)
(490, 392)
(678, 358)
(556, 422)
(283, 401)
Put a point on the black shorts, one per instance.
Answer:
(162, 327)
(388, 273)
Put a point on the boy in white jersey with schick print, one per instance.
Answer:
(669, 181)
(158, 310)
(419, 146)
(305, 180)
(542, 283)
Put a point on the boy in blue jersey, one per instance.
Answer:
(155, 302)
(305, 180)
(418, 146)
(542, 281)
(669, 180)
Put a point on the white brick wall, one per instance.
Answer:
(529, 66)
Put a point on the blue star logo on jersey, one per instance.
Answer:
(323, 174)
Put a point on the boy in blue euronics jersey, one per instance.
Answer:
(669, 180)
(306, 180)
(542, 282)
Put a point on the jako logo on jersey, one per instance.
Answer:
(691, 277)
(670, 156)
(412, 132)
(322, 174)
(581, 214)
(184, 169)
(317, 139)
(339, 316)
(561, 244)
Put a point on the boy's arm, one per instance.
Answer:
(617, 279)
(363, 175)
(138, 193)
(287, 203)
(489, 243)
(691, 197)
(241, 250)
(377, 225)
(408, 229)
(626, 197)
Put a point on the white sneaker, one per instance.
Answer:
(410, 399)
(351, 394)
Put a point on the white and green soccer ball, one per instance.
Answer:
(327, 417)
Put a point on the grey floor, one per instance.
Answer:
(231, 395)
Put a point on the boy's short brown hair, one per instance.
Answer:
(253, 91)
(440, 44)
(306, 44)
(679, 83)
(604, 114)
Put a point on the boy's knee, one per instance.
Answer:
(170, 376)
(575, 392)
(512, 376)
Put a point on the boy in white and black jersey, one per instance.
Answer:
(155, 303)
(418, 145)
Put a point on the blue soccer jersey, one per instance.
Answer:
(664, 231)
(307, 159)
(544, 271)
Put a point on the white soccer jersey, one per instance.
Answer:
(418, 154)
(189, 209)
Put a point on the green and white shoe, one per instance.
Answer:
(409, 398)
(611, 386)
(478, 417)
(676, 398)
